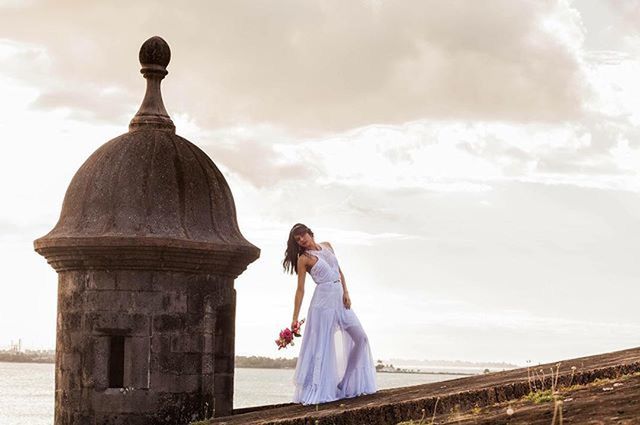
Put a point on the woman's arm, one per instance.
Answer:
(344, 282)
(302, 272)
(346, 300)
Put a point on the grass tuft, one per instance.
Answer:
(540, 396)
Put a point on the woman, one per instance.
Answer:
(335, 359)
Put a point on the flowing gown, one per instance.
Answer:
(335, 359)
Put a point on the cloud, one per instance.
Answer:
(433, 157)
(446, 97)
(313, 66)
(441, 96)
(107, 105)
(258, 163)
(627, 11)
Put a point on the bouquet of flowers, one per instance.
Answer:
(286, 335)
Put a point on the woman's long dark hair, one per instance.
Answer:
(293, 251)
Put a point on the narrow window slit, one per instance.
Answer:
(116, 362)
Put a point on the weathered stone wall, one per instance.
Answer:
(178, 329)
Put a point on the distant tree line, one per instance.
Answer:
(48, 356)
(266, 362)
(28, 356)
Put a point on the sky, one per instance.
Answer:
(475, 165)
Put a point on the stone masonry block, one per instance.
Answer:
(223, 386)
(108, 300)
(69, 321)
(207, 364)
(146, 302)
(131, 324)
(168, 323)
(170, 362)
(137, 362)
(195, 301)
(128, 301)
(68, 379)
(170, 383)
(114, 400)
(207, 343)
(174, 302)
(160, 342)
(101, 362)
(72, 281)
(223, 364)
(163, 281)
(81, 418)
(223, 344)
(100, 280)
(70, 361)
(192, 363)
(134, 280)
(70, 341)
(70, 299)
(194, 322)
(186, 343)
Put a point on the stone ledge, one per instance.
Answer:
(139, 253)
(401, 404)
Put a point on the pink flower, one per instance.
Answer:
(286, 335)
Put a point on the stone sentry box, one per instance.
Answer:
(147, 249)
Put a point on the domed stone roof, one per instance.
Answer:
(149, 199)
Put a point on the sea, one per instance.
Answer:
(26, 389)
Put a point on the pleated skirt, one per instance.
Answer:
(325, 349)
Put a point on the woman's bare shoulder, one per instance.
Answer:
(303, 258)
(328, 245)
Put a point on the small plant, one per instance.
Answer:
(573, 372)
(539, 396)
(554, 378)
(435, 406)
(557, 411)
(455, 412)
(557, 402)
(542, 379)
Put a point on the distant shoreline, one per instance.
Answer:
(52, 361)
(26, 360)
(260, 362)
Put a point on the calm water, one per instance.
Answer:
(26, 389)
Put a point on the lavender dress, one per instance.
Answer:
(335, 360)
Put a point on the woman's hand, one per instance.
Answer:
(346, 300)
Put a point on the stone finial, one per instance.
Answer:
(154, 58)
(155, 52)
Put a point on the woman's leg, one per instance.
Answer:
(360, 342)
